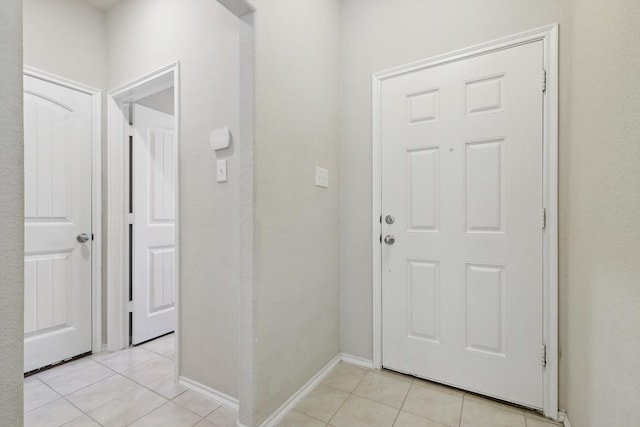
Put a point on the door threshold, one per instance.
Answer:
(491, 399)
(151, 339)
(55, 365)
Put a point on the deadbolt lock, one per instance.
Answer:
(389, 219)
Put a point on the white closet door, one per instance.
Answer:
(154, 207)
(57, 263)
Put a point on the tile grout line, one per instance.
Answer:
(68, 401)
(332, 415)
(338, 410)
(406, 395)
(461, 410)
(90, 361)
(44, 404)
(79, 409)
(147, 413)
(311, 416)
(83, 413)
(208, 413)
(350, 393)
(106, 403)
(427, 418)
(395, 419)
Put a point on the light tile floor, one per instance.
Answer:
(135, 387)
(351, 396)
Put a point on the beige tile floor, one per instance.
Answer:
(351, 396)
(132, 387)
(136, 387)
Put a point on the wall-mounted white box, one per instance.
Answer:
(220, 138)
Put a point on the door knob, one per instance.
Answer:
(389, 219)
(82, 237)
(389, 239)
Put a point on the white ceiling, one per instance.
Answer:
(103, 4)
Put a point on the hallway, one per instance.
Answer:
(135, 386)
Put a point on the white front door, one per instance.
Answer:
(154, 208)
(462, 177)
(57, 263)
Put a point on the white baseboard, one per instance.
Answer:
(356, 360)
(218, 396)
(280, 413)
(564, 418)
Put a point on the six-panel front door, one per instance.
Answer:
(57, 193)
(154, 206)
(462, 178)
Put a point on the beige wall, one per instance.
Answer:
(67, 38)
(161, 101)
(296, 253)
(11, 214)
(143, 36)
(599, 174)
(600, 202)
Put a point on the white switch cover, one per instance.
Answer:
(221, 170)
(322, 177)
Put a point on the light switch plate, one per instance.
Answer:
(322, 177)
(221, 170)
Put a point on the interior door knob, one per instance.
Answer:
(82, 237)
(389, 239)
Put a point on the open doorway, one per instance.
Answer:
(143, 129)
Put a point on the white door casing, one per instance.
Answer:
(154, 180)
(462, 173)
(58, 208)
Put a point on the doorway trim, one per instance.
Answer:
(549, 36)
(118, 221)
(96, 194)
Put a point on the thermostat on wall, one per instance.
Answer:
(220, 138)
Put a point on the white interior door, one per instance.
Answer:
(57, 266)
(154, 207)
(462, 175)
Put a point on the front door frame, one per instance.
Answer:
(549, 36)
(96, 194)
(118, 216)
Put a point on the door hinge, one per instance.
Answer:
(130, 307)
(544, 80)
(544, 356)
(544, 218)
(129, 130)
(130, 218)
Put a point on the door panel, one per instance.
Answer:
(57, 144)
(154, 181)
(462, 175)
